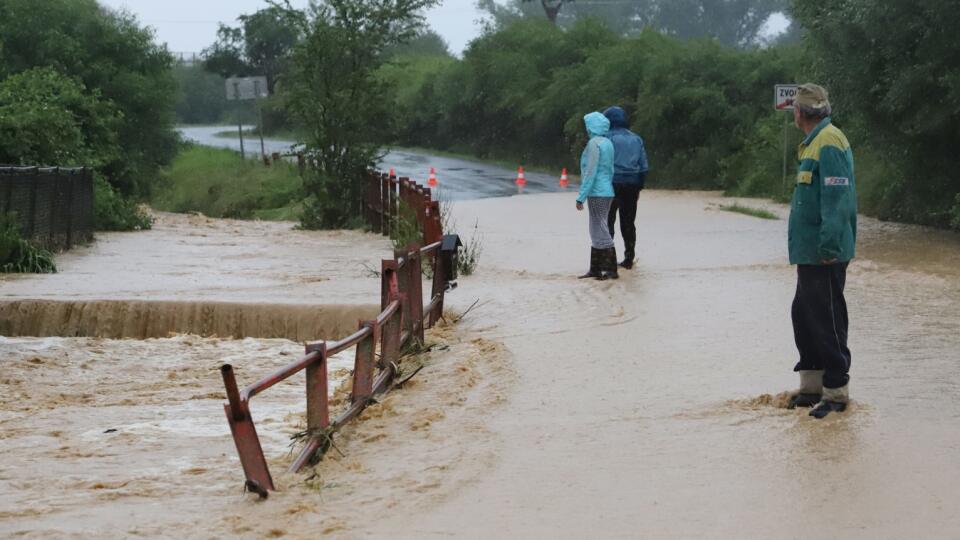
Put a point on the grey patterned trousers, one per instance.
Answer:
(599, 208)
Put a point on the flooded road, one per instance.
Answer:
(648, 407)
(651, 406)
(459, 179)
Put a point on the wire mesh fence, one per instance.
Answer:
(52, 206)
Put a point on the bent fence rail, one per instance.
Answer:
(399, 326)
(53, 206)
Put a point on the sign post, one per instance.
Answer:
(783, 98)
(243, 89)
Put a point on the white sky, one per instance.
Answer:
(191, 25)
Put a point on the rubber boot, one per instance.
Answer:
(594, 271)
(609, 268)
(628, 257)
(811, 386)
(834, 400)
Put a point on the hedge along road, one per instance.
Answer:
(459, 179)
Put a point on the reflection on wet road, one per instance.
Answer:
(459, 179)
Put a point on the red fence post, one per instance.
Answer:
(392, 327)
(403, 288)
(431, 225)
(394, 202)
(384, 198)
(318, 410)
(415, 285)
(364, 363)
(244, 433)
(439, 287)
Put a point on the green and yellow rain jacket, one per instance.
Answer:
(823, 213)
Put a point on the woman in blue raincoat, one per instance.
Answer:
(596, 189)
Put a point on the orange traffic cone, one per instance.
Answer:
(521, 180)
(563, 178)
(432, 182)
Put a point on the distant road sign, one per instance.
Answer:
(242, 88)
(784, 95)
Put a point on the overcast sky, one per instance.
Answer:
(191, 25)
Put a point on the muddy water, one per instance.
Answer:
(645, 407)
(193, 274)
(98, 435)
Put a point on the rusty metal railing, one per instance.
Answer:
(382, 205)
(399, 327)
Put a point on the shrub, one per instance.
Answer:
(19, 255)
(112, 212)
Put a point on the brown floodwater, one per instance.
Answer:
(646, 407)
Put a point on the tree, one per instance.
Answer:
(49, 118)
(201, 98)
(261, 45)
(115, 61)
(732, 22)
(334, 94)
(426, 43)
(893, 72)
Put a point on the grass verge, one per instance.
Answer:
(218, 183)
(748, 211)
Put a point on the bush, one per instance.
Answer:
(893, 70)
(115, 63)
(19, 255)
(112, 212)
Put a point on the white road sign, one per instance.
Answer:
(243, 88)
(784, 94)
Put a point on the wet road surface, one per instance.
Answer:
(459, 179)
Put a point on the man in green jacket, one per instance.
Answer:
(822, 240)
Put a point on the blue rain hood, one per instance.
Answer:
(617, 117)
(596, 162)
(597, 124)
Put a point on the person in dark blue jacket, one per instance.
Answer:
(629, 176)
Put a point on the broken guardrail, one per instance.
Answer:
(399, 327)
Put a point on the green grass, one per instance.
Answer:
(218, 183)
(18, 255)
(748, 211)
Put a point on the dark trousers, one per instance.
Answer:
(820, 322)
(625, 197)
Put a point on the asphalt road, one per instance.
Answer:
(459, 179)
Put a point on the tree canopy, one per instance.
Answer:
(893, 70)
(102, 60)
(733, 22)
(261, 45)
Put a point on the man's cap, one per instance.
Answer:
(812, 96)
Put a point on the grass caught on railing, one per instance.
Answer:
(470, 252)
(472, 248)
(748, 211)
